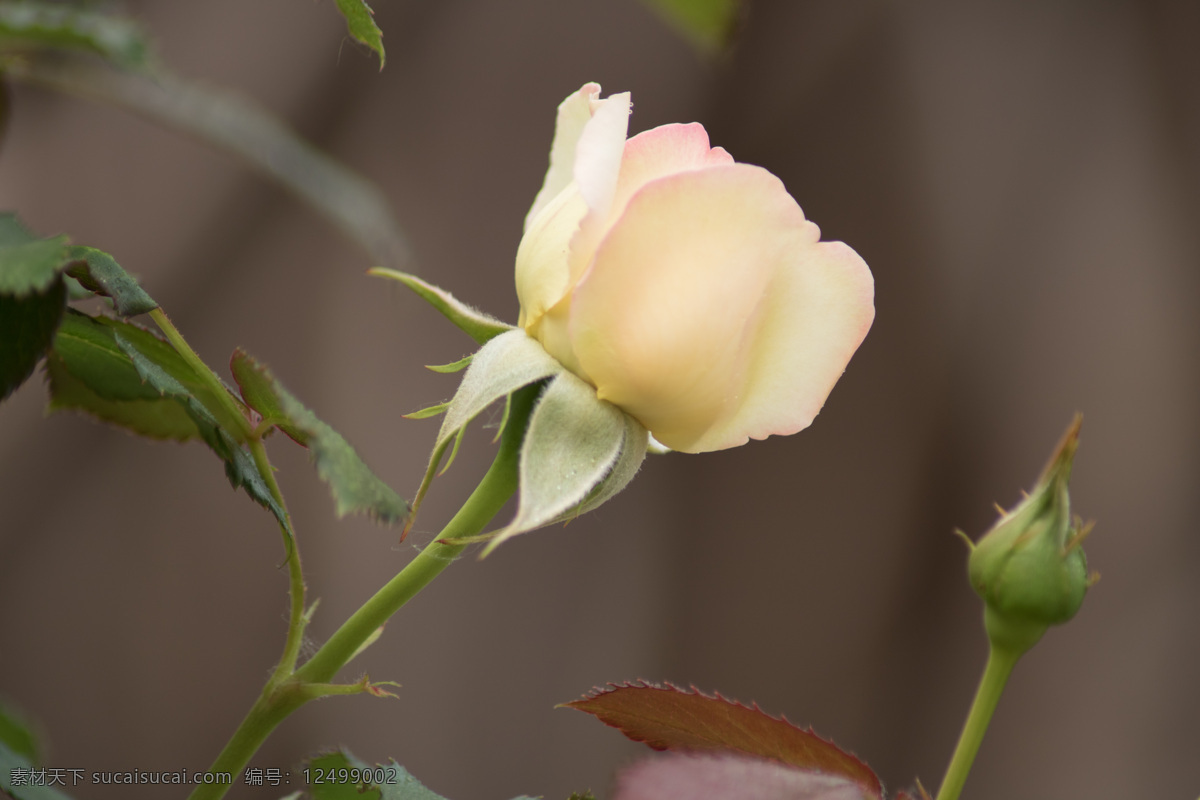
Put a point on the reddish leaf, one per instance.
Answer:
(669, 718)
(725, 776)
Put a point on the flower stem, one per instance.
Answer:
(283, 694)
(1001, 661)
(488, 498)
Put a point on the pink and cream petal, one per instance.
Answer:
(819, 309)
(664, 321)
(664, 151)
(574, 113)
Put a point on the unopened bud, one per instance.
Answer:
(1030, 569)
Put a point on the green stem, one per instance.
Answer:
(296, 620)
(233, 414)
(484, 503)
(1000, 665)
(281, 697)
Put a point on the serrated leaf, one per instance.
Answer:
(166, 372)
(360, 21)
(258, 391)
(27, 326)
(160, 418)
(479, 326)
(726, 776)
(99, 272)
(87, 348)
(572, 442)
(163, 356)
(46, 24)
(356, 489)
(669, 718)
(707, 24)
(28, 264)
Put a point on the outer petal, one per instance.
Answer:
(665, 321)
(818, 309)
(664, 151)
(594, 152)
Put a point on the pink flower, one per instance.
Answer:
(688, 289)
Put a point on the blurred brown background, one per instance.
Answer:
(1022, 178)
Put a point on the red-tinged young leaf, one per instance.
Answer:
(258, 390)
(669, 718)
(728, 776)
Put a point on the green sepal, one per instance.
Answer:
(573, 441)
(633, 453)
(503, 365)
(431, 411)
(99, 272)
(1029, 568)
(451, 368)
(479, 326)
(44, 24)
(356, 489)
(360, 22)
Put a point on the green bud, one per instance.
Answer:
(1029, 568)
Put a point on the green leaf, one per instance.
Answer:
(573, 441)
(260, 391)
(163, 356)
(356, 489)
(17, 734)
(707, 24)
(28, 264)
(99, 272)
(27, 326)
(166, 371)
(669, 718)
(360, 21)
(45, 24)
(160, 418)
(17, 777)
(86, 348)
(479, 326)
